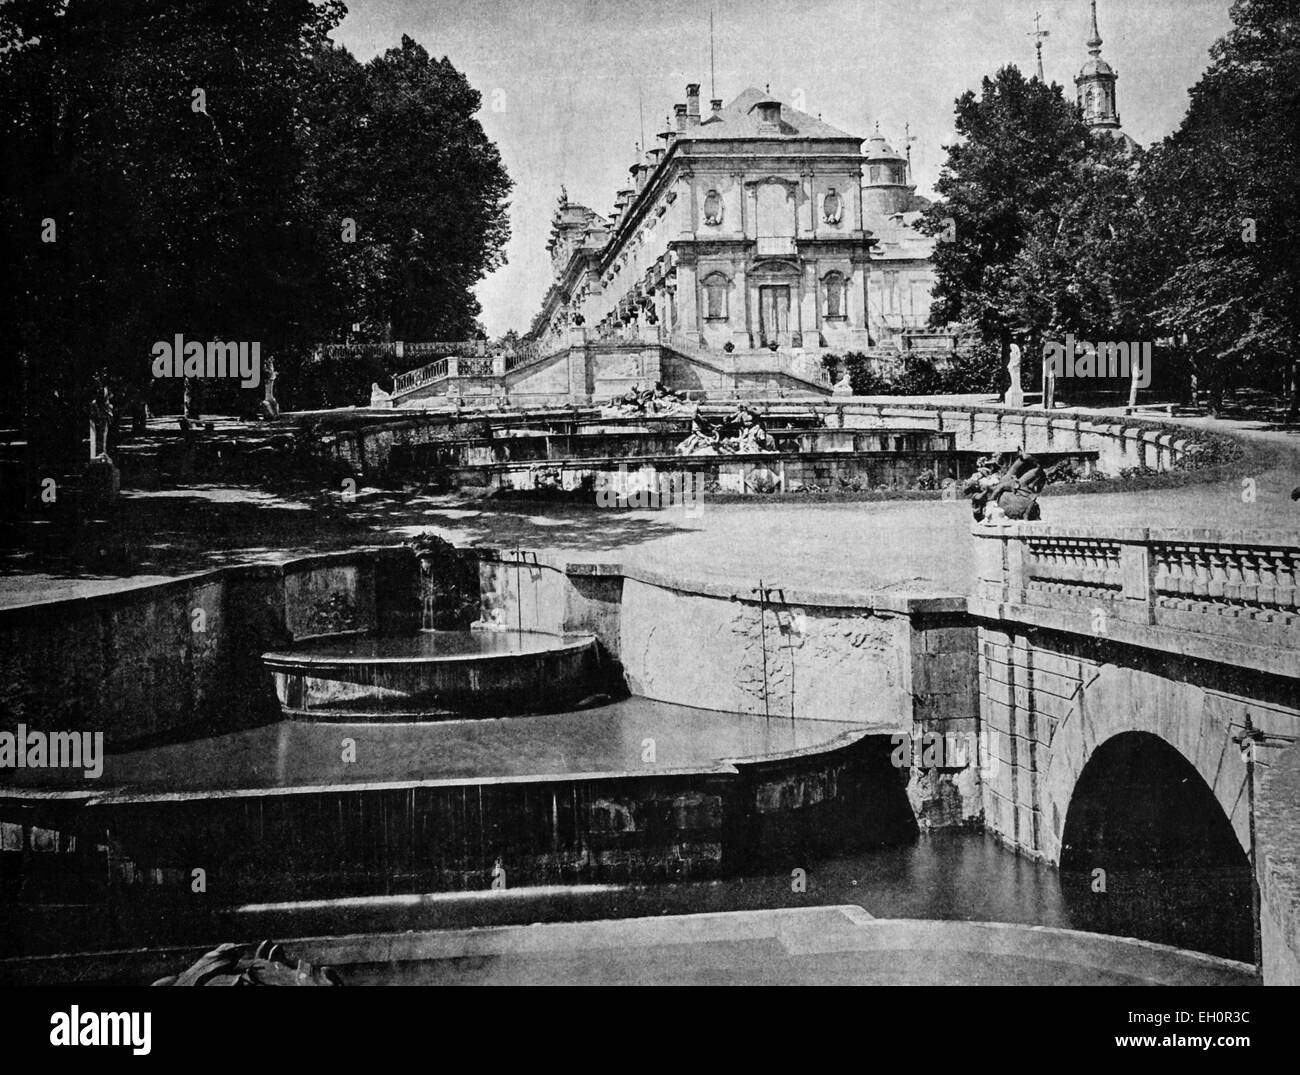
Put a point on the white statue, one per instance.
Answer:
(1015, 394)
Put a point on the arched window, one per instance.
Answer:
(835, 288)
(715, 297)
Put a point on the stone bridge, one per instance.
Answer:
(1131, 674)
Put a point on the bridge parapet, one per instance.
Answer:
(1225, 596)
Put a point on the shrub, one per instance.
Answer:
(863, 378)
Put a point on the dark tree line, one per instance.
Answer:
(1058, 230)
(223, 170)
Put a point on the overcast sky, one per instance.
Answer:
(561, 79)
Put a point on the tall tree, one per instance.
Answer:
(153, 185)
(184, 166)
(1090, 264)
(1021, 146)
(1225, 204)
(400, 152)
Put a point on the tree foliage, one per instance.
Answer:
(1059, 230)
(1225, 203)
(193, 161)
(400, 153)
(1020, 149)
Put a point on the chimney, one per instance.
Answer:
(693, 103)
(716, 105)
(680, 111)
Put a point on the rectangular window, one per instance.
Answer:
(834, 286)
(715, 298)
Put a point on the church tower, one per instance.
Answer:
(1096, 85)
(887, 189)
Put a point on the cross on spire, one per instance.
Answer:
(1039, 33)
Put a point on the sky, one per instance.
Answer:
(565, 83)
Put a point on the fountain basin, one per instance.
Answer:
(433, 675)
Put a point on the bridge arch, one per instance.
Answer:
(1139, 804)
(1144, 808)
(1113, 700)
(1147, 851)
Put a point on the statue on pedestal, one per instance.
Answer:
(101, 417)
(101, 481)
(1015, 394)
(270, 405)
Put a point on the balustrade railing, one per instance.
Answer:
(522, 353)
(1238, 591)
(1075, 566)
(425, 375)
(1257, 581)
(474, 367)
(465, 348)
(460, 359)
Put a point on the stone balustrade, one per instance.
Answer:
(1122, 442)
(1228, 596)
(419, 378)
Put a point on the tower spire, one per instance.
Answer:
(1094, 41)
(1096, 83)
(1038, 34)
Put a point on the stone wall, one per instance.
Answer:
(1278, 851)
(900, 665)
(1048, 700)
(1119, 443)
(547, 377)
(184, 657)
(364, 442)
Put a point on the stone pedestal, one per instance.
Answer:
(101, 483)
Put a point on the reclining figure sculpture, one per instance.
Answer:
(638, 402)
(740, 433)
(242, 964)
(1007, 496)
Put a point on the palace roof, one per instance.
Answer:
(741, 119)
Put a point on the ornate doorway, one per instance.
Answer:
(774, 315)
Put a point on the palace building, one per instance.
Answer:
(745, 226)
(750, 243)
(902, 272)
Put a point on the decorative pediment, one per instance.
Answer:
(775, 267)
(791, 185)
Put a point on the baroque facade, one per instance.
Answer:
(898, 306)
(743, 227)
(760, 226)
